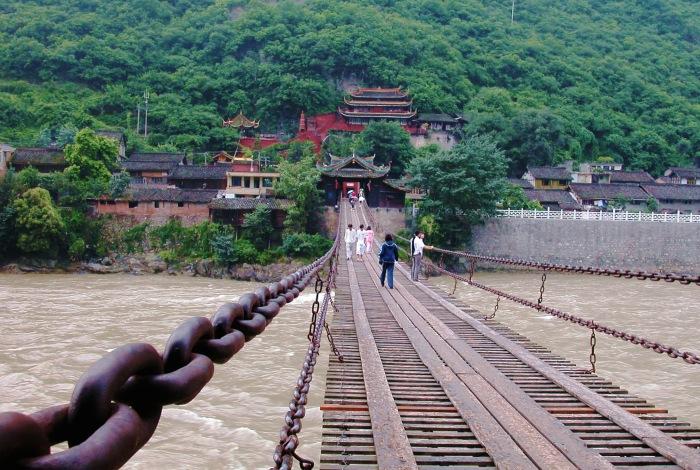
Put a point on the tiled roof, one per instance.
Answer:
(147, 166)
(684, 172)
(202, 196)
(368, 169)
(111, 134)
(630, 177)
(433, 117)
(191, 172)
(680, 192)
(378, 93)
(608, 191)
(525, 184)
(248, 203)
(550, 173)
(563, 199)
(174, 158)
(39, 156)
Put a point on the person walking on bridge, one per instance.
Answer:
(360, 237)
(369, 239)
(417, 247)
(350, 236)
(387, 257)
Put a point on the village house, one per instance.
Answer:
(548, 177)
(158, 205)
(673, 198)
(360, 173)
(152, 169)
(199, 176)
(677, 175)
(521, 183)
(631, 177)
(601, 196)
(44, 159)
(553, 199)
(247, 178)
(6, 152)
(232, 211)
(118, 137)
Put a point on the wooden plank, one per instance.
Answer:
(544, 439)
(665, 445)
(497, 442)
(391, 444)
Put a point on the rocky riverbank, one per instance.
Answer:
(152, 264)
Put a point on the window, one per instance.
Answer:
(562, 182)
(236, 181)
(180, 204)
(246, 182)
(256, 182)
(133, 204)
(267, 182)
(157, 203)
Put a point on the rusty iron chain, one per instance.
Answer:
(660, 348)
(286, 450)
(621, 273)
(318, 287)
(495, 309)
(592, 357)
(116, 405)
(544, 278)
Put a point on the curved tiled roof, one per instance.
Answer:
(630, 177)
(378, 93)
(684, 172)
(171, 195)
(39, 156)
(377, 114)
(367, 168)
(608, 191)
(241, 121)
(679, 192)
(157, 157)
(563, 199)
(550, 172)
(191, 172)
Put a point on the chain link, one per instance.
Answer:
(495, 309)
(544, 278)
(621, 273)
(687, 356)
(592, 357)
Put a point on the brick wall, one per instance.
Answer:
(649, 246)
(189, 213)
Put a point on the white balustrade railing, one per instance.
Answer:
(614, 215)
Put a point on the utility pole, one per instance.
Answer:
(138, 118)
(512, 13)
(145, 126)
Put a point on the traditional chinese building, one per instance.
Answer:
(152, 169)
(364, 105)
(44, 159)
(360, 173)
(199, 176)
(241, 122)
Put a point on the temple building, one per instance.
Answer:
(364, 105)
(360, 173)
(241, 122)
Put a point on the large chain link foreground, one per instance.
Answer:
(116, 404)
(624, 273)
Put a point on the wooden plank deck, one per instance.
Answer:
(448, 389)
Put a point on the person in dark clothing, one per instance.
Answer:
(387, 257)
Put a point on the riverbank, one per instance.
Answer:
(142, 264)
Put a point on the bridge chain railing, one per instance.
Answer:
(116, 405)
(622, 273)
(673, 352)
(286, 450)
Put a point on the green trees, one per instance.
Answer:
(514, 197)
(463, 186)
(257, 226)
(39, 224)
(299, 182)
(91, 157)
(390, 144)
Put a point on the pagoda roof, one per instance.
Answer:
(378, 93)
(240, 121)
(359, 102)
(353, 167)
(378, 114)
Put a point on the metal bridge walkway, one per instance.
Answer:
(428, 383)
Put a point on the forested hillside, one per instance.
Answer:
(569, 79)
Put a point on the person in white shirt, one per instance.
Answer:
(360, 237)
(350, 236)
(417, 247)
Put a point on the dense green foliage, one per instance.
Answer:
(38, 222)
(463, 186)
(299, 183)
(513, 197)
(575, 79)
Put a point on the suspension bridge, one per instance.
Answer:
(416, 379)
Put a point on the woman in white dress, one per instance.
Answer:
(360, 237)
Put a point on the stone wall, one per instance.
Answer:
(647, 246)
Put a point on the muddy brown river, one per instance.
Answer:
(55, 326)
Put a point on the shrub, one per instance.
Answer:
(272, 255)
(76, 250)
(244, 251)
(134, 238)
(222, 245)
(303, 245)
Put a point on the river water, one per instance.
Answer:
(55, 326)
